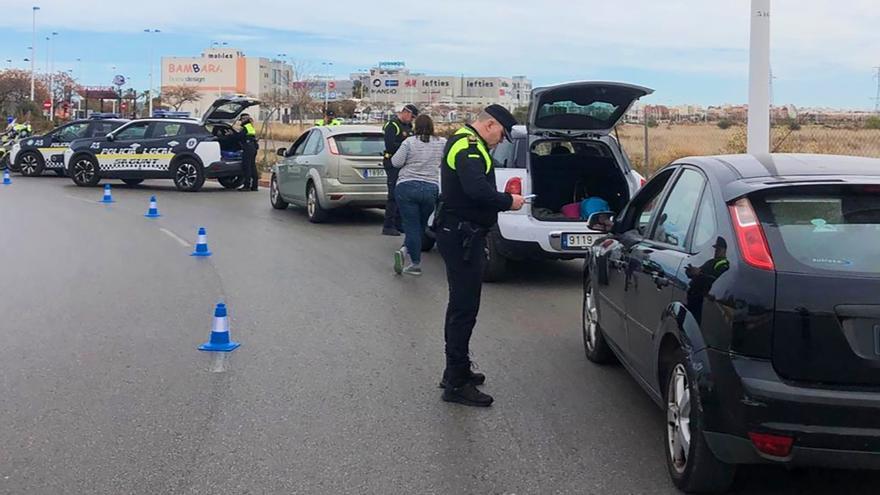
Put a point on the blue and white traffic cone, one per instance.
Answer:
(153, 211)
(219, 341)
(6, 179)
(108, 195)
(202, 244)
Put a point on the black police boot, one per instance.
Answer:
(460, 389)
(473, 378)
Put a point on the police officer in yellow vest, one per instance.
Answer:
(469, 206)
(249, 149)
(396, 131)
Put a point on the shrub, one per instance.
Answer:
(725, 124)
(872, 123)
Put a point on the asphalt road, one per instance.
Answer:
(333, 390)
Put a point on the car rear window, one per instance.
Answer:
(360, 144)
(822, 228)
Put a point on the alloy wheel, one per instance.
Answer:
(186, 175)
(590, 324)
(312, 201)
(28, 164)
(678, 416)
(273, 189)
(84, 170)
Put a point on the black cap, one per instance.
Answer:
(720, 243)
(411, 109)
(503, 116)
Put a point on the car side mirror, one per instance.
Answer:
(109, 137)
(282, 152)
(602, 221)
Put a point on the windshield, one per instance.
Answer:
(823, 228)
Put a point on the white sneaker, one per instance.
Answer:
(412, 270)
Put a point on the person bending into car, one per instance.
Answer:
(418, 186)
(249, 147)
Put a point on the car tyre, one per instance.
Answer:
(30, 164)
(233, 182)
(495, 264)
(596, 347)
(84, 171)
(275, 195)
(315, 212)
(132, 182)
(692, 465)
(189, 175)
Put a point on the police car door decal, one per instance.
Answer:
(118, 159)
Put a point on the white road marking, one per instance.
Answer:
(175, 237)
(82, 199)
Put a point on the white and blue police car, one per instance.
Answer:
(187, 151)
(33, 155)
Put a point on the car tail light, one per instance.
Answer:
(750, 235)
(331, 144)
(775, 445)
(514, 186)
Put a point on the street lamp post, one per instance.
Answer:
(33, 47)
(329, 65)
(150, 90)
(50, 66)
(217, 44)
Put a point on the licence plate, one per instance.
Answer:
(369, 173)
(578, 241)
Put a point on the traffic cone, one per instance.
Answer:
(202, 244)
(6, 179)
(108, 195)
(219, 341)
(153, 211)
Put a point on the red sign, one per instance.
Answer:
(47, 105)
(124, 105)
(331, 85)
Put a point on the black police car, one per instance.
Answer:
(187, 151)
(32, 155)
(742, 294)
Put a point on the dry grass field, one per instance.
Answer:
(667, 143)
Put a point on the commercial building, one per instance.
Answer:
(391, 84)
(220, 71)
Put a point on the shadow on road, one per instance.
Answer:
(777, 480)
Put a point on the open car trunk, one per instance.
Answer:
(230, 143)
(570, 173)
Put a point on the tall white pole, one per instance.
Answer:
(33, 47)
(759, 79)
(51, 81)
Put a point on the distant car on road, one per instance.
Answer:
(741, 294)
(331, 167)
(33, 155)
(186, 151)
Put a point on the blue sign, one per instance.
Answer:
(391, 83)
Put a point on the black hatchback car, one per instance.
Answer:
(743, 295)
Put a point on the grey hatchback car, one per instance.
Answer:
(331, 167)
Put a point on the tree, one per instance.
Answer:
(343, 108)
(15, 92)
(177, 96)
(301, 101)
(521, 113)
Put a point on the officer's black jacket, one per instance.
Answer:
(469, 192)
(395, 135)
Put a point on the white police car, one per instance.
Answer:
(32, 155)
(186, 151)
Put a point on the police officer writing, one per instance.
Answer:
(469, 206)
(249, 147)
(396, 131)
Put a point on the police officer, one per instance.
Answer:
(396, 131)
(469, 206)
(249, 149)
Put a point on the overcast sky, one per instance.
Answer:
(690, 51)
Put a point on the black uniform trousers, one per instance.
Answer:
(465, 278)
(392, 213)
(249, 163)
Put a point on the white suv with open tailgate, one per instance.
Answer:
(564, 154)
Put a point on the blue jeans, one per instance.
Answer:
(415, 200)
